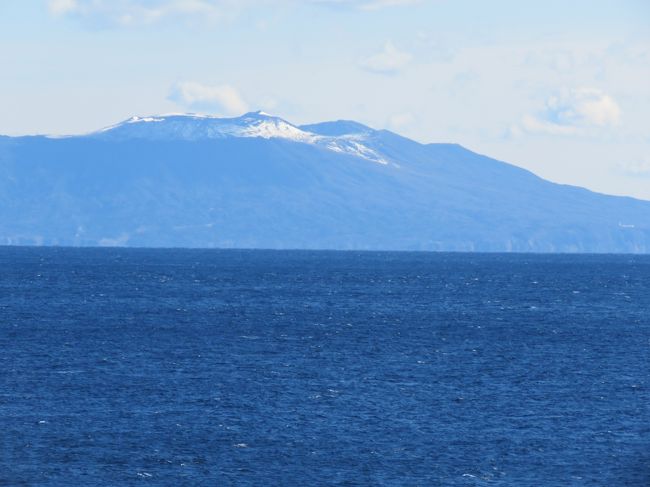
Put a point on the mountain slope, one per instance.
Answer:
(259, 181)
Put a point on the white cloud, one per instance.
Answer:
(535, 125)
(401, 120)
(137, 12)
(572, 112)
(390, 61)
(269, 103)
(584, 106)
(219, 99)
(367, 4)
(377, 4)
(59, 7)
(638, 168)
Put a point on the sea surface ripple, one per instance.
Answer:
(206, 367)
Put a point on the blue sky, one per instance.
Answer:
(560, 88)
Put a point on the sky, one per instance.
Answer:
(560, 88)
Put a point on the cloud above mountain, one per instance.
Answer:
(389, 61)
(134, 12)
(138, 12)
(572, 112)
(636, 168)
(367, 4)
(219, 99)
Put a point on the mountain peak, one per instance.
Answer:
(342, 136)
(190, 126)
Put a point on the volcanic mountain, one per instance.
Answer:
(258, 181)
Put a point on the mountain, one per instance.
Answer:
(258, 181)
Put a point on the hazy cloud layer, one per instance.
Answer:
(639, 168)
(389, 61)
(134, 12)
(572, 112)
(399, 121)
(137, 12)
(217, 99)
(367, 4)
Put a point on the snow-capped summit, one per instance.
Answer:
(192, 127)
(196, 127)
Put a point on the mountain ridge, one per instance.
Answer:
(258, 181)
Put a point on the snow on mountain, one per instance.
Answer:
(193, 127)
(258, 181)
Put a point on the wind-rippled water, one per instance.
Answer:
(187, 367)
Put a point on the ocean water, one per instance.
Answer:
(178, 367)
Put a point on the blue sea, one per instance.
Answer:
(270, 368)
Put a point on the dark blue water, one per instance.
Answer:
(175, 367)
